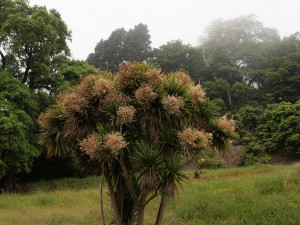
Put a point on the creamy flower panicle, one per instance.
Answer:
(191, 139)
(115, 142)
(102, 87)
(73, 103)
(197, 93)
(183, 78)
(90, 145)
(126, 114)
(154, 76)
(86, 85)
(173, 104)
(227, 124)
(114, 98)
(145, 95)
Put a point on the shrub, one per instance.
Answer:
(250, 159)
(209, 163)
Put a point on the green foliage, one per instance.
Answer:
(250, 159)
(237, 53)
(280, 127)
(240, 41)
(273, 129)
(175, 55)
(32, 37)
(122, 45)
(17, 151)
(68, 72)
(283, 81)
(248, 117)
(207, 162)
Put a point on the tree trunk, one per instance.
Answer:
(2, 59)
(229, 98)
(162, 206)
(101, 201)
(128, 181)
(140, 215)
(9, 184)
(204, 57)
(114, 204)
(26, 73)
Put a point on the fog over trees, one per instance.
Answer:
(241, 69)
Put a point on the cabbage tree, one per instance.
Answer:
(139, 128)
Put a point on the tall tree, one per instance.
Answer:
(17, 108)
(32, 38)
(175, 55)
(242, 40)
(238, 50)
(137, 44)
(134, 45)
(283, 79)
(136, 128)
(7, 7)
(109, 53)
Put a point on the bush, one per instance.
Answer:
(250, 159)
(209, 163)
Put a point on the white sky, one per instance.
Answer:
(167, 20)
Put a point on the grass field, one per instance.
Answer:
(252, 195)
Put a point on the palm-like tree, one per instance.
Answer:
(136, 128)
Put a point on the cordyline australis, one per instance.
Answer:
(137, 128)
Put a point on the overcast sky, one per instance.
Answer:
(167, 20)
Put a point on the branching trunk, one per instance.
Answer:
(162, 206)
(117, 216)
(26, 73)
(229, 98)
(204, 57)
(150, 198)
(128, 181)
(141, 206)
(140, 215)
(3, 60)
(28, 67)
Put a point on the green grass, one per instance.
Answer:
(252, 195)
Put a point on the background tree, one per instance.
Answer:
(17, 149)
(68, 72)
(283, 78)
(175, 55)
(136, 128)
(134, 45)
(242, 41)
(238, 50)
(32, 38)
(279, 127)
(5, 9)
(109, 53)
(137, 46)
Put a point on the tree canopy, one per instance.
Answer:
(122, 45)
(175, 55)
(17, 149)
(31, 38)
